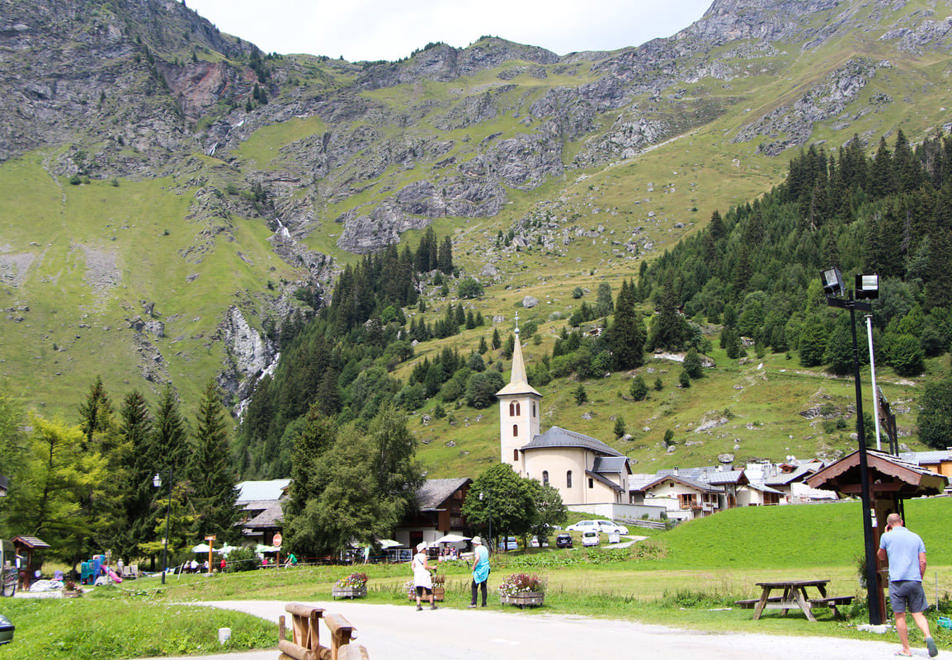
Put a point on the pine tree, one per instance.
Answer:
(213, 491)
(135, 430)
(96, 413)
(627, 334)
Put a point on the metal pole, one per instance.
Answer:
(168, 516)
(872, 372)
(872, 585)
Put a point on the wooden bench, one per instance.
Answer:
(305, 643)
(832, 602)
(777, 602)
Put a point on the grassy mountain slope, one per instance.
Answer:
(601, 160)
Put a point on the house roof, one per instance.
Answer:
(888, 473)
(272, 490)
(434, 492)
(727, 477)
(31, 542)
(602, 480)
(559, 437)
(763, 488)
(611, 465)
(796, 475)
(271, 516)
(927, 457)
(686, 481)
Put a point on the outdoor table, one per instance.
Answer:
(794, 595)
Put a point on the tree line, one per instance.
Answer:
(87, 487)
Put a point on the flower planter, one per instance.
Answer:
(438, 593)
(349, 592)
(523, 598)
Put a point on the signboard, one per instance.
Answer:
(276, 541)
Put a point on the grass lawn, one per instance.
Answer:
(687, 577)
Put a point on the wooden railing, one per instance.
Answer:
(305, 642)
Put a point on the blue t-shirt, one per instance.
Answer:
(903, 548)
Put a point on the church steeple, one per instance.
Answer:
(518, 410)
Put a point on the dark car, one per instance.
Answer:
(563, 541)
(6, 630)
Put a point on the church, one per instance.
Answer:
(584, 470)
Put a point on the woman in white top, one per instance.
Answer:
(421, 576)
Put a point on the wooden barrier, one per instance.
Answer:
(305, 643)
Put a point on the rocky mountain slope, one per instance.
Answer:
(169, 195)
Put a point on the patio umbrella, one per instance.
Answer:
(201, 547)
(389, 543)
(451, 538)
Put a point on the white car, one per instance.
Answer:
(608, 527)
(583, 525)
(589, 537)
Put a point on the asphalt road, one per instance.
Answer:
(395, 632)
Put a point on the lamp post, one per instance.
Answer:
(867, 287)
(489, 504)
(157, 482)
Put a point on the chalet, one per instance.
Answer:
(261, 505)
(938, 461)
(683, 498)
(438, 513)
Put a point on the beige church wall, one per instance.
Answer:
(557, 461)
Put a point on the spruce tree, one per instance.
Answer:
(213, 491)
(135, 431)
(627, 334)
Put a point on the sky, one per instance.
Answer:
(393, 29)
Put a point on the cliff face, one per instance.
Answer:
(276, 156)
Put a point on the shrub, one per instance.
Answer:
(520, 583)
(242, 559)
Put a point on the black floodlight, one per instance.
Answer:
(867, 286)
(832, 282)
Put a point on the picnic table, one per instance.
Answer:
(794, 595)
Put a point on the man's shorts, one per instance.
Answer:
(907, 596)
(420, 590)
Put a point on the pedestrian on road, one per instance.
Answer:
(421, 576)
(480, 569)
(906, 554)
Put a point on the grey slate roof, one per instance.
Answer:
(436, 491)
(926, 457)
(701, 486)
(271, 516)
(559, 437)
(603, 480)
(271, 489)
(610, 464)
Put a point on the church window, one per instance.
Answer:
(515, 430)
(568, 479)
(515, 455)
(545, 477)
(518, 412)
(533, 409)
(591, 483)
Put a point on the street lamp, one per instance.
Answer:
(867, 287)
(489, 504)
(157, 482)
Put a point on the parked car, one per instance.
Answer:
(508, 543)
(583, 525)
(563, 540)
(589, 537)
(608, 527)
(534, 542)
(6, 630)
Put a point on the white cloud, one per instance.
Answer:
(387, 30)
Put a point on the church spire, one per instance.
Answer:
(518, 383)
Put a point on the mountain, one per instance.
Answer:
(170, 196)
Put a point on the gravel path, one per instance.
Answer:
(394, 632)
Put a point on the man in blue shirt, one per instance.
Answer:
(907, 565)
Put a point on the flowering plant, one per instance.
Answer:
(519, 583)
(355, 580)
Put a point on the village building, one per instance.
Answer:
(262, 515)
(589, 475)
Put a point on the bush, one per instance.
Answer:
(470, 288)
(639, 389)
(242, 559)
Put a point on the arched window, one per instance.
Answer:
(533, 409)
(515, 455)
(512, 409)
(568, 479)
(545, 477)
(515, 430)
(518, 412)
